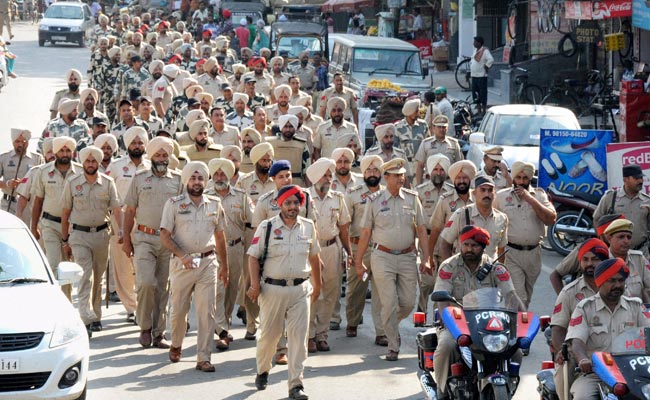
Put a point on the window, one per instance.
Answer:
(19, 257)
(397, 62)
(64, 12)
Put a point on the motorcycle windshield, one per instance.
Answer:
(491, 298)
(632, 340)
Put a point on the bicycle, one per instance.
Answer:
(527, 93)
(463, 74)
(580, 96)
(558, 21)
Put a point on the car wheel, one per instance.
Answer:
(83, 394)
(41, 43)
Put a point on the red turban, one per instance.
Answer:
(256, 60)
(207, 33)
(201, 62)
(174, 58)
(609, 268)
(477, 234)
(596, 246)
(291, 190)
(226, 13)
(605, 221)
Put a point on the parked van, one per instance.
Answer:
(375, 67)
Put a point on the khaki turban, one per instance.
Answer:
(436, 159)
(173, 162)
(160, 143)
(251, 133)
(134, 132)
(16, 132)
(66, 106)
(193, 116)
(277, 92)
(221, 42)
(75, 73)
(187, 82)
(342, 152)
(265, 52)
(277, 60)
(231, 151)
(114, 51)
(238, 68)
(383, 130)
(336, 101)
(194, 166)
(302, 101)
(204, 96)
(151, 36)
(465, 166)
(246, 50)
(205, 48)
(47, 145)
(210, 63)
(260, 150)
(318, 169)
(89, 92)
(192, 91)
(528, 168)
(226, 166)
(240, 96)
(288, 118)
(94, 151)
(103, 40)
(345, 139)
(295, 110)
(138, 35)
(197, 126)
(367, 161)
(102, 18)
(106, 138)
(411, 107)
(63, 141)
(156, 64)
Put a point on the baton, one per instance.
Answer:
(20, 160)
(108, 290)
(565, 371)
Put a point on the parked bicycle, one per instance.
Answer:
(463, 74)
(527, 93)
(579, 96)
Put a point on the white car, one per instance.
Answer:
(516, 128)
(43, 343)
(66, 21)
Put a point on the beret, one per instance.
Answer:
(278, 166)
(632, 170)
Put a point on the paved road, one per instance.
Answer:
(120, 368)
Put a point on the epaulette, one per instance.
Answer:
(570, 285)
(300, 139)
(633, 299)
(215, 147)
(411, 191)
(373, 196)
(61, 91)
(212, 197)
(175, 172)
(422, 185)
(635, 252)
(264, 196)
(641, 194)
(373, 148)
(238, 190)
(447, 194)
(177, 198)
(142, 171)
(354, 188)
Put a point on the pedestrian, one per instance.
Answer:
(5, 17)
(480, 64)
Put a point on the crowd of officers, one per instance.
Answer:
(249, 188)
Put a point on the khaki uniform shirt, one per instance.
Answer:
(263, 84)
(165, 90)
(58, 127)
(431, 146)
(356, 198)
(273, 112)
(355, 180)
(9, 166)
(123, 170)
(447, 204)
(238, 209)
(456, 278)
(524, 227)
(394, 219)
(89, 202)
(289, 249)
(429, 196)
(347, 95)
(327, 134)
(332, 213)
(267, 207)
(63, 94)
(408, 137)
(212, 85)
(148, 194)
(25, 187)
(212, 151)
(307, 75)
(229, 135)
(499, 180)
(254, 187)
(282, 79)
(147, 86)
(312, 122)
(568, 299)
(639, 278)
(293, 99)
(48, 184)
(635, 209)
(496, 223)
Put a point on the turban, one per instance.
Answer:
(63, 141)
(246, 50)
(204, 96)
(181, 25)
(410, 107)
(151, 36)
(257, 61)
(201, 62)
(192, 91)
(206, 47)
(194, 166)
(134, 132)
(288, 118)
(596, 246)
(176, 45)
(193, 116)
(527, 168)
(163, 24)
(303, 100)
(89, 92)
(74, 72)
(344, 139)
(240, 96)
(171, 70)
(66, 106)
(436, 159)
(104, 40)
(102, 18)
(226, 166)
(93, 151)
(220, 42)
(319, 168)
(207, 33)
(187, 82)
(252, 133)
(336, 101)
(137, 34)
(185, 47)
(226, 13)
(155, 65)
(295, 110)
(197, 126)
(464, 166)
(16, 132)
(367, 161)
(604, 222)
(342, 152)
(232, 151)
(279, 166)
(106, 138)
(277, 92)
(264, 51)
(382, 130)
(238, 68)
(47, 145)
(477, 234)
(210, 63)
(114, 51)
(277, 60)
(608, 268)
(291, 190)
(160, 143)
(620, 225)
(260, 150)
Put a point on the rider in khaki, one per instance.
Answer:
(144, 202)
(192, 228)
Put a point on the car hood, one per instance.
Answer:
(411, 82)
(68, 23)
(33, 308)
(510, 154)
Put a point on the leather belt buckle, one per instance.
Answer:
(396, 252)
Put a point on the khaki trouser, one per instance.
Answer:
(396, 278)
(5, 20)
(277, 305)
(226, 296)
(585, 387)
(323, 307)
(524, 267)
(90, 251)
(201, 281)
(427, 283)
(123, 274)
(252, 308)
(51, 236)
(558, 377)
(355, 298)
(151, 260)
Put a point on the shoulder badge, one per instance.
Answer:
(177, 198)
(410, 191)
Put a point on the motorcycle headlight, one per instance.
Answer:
(43, 27)
(67, 331)
(495, 343)
(645, 389)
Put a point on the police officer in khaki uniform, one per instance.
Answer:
(192, 228)
(87, 199)
(306, 72)
(279, 76)
(164, 91)
(202, 149)
(250, 137)
(333, 235)
(46, 191)
(302, 131)
(590, 254)
(329, 131)
(495, 168)
(238, 210)
(264, 80)
(356, 199)
(281, 107)
(73, 78)
(220, 133)
(211, 81)
(67, 124)
(312, 120)
(24, 206)
(439, 143)
(599, 319)
(351, 113)
(14, 165)
(289, 147)
(619, 237)
(233, 154)
(296, 93)
(529, 213)
(289, 282)
(394, 219)
(344, 178)
(386, 149)
(457, 275)
(411, 131)
(144, 200)
(482, 214)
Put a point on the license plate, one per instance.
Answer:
(58, 38)
(9, 364)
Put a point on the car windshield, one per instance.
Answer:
(64, 12)
(517, 130)
(295, 45)
(393, 62)
(19, 257)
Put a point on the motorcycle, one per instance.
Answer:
(573, 224)
(489, 330)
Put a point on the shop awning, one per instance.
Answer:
(347, 5)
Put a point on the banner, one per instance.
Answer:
(641, 14)
(424, 45)
(574, 160)
(622, 154)
(598, 9)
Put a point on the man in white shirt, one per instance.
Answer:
(481, 62)
(445, 107)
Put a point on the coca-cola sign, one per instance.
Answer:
(604, 9)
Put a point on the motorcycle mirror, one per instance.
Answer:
(443, 295)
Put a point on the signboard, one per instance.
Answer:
(424, 45)
(641, 14)
(574, 160)
(588, 32)
(622, 154)
(606, 9)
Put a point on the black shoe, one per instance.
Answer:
(130, 317)
(241, 314)
(89, 331)
(96, 326)
(261, 380)
(187, 327)
(113, 297)
(334, 326)
(249, 336)
(298, 393)
(368, 294)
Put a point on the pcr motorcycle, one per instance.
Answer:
(573, 224)
(489, 330)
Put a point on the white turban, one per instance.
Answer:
(367, 161)
(63, 141)
(89, 92)
(288, 118)
(410, 107)
(260, 150)
(223, 164)
(187, 82)
(156, 64)
(231, 150)
(436, 159)
(16, 132)
(103, 39)
(246, 50)
(93, 151)
(73, 72)
(197, 126)
(210, 63)
(382, 130)
(193, 116)
(106, 138)
(465, 166)
(114, 51)
(160, 143)
(303, 53)
(318, 169)
(277, 60)
(336, 101)
(302, 101)
(344, 139)
(47, 145)
(527, 168)
(134, 132)
(277, 92)
(171, 70)
(252, 133)
(151, 36)
(240, 96)
(204, 48)
(220, 42)
(194, 166)
(103, 18)
(295, 110)
(66, 106)
(238, 68)
(342, 152)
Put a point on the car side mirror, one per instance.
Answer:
(69, 273)
(346, 67)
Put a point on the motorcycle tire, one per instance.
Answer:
(494, 392)
(563, 243)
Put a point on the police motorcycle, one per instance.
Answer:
(489, 329)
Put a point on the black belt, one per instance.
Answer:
(199, 255)
(522, 248)
(285, 282)
(248, 225)
(51, 217)
(328, 243)
(89, 228)
(9, 198)
(428, 231)
(234, 242)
